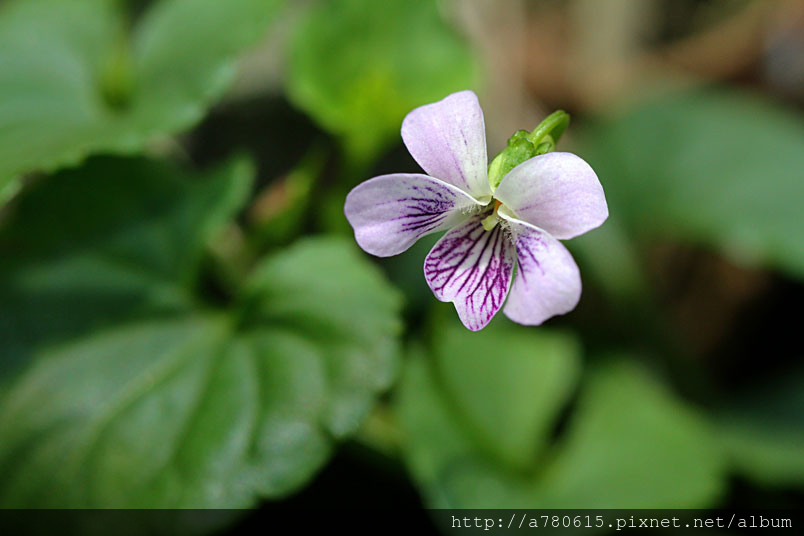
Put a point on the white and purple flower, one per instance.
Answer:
(492, 232)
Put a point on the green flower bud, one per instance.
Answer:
(518, 150)
(524, 145)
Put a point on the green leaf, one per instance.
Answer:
(180, 407)
(434, 442)
(629, 443)
(324, 290)
(75, 79)
(176, 413)
(717, 167)
(358, 66)
(122, 238)
(768, 455)
(525, 384)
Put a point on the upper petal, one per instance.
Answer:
(547, 281)
(557, 192)
(390, 212)
(472, 268)
(448, 140)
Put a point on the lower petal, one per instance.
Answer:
(547, 281)
(390, 212)
(472, 268)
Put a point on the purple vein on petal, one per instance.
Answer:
(547, 281)
(425, 213)
(389, 213)
(472, 268)
(527, 255)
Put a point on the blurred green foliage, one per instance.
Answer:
(78, 77)
(142, 395)
(114, 238)
(716, 167)
(359, 66)
(629, 442)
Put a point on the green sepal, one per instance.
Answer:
(524, 145)
(547, 146)
(519, 149)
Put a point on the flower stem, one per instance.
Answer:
(552, 127)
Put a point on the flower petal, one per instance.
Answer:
(547, 281)
(390, 212)
(472, 268)
(448, 140)
(557, 192)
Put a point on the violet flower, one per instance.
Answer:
(499, 222)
